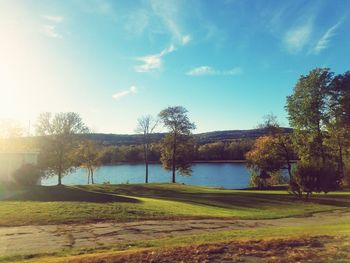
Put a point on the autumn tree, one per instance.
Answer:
(146, 126)
(266, 157)
(175, 119)
(58, 139)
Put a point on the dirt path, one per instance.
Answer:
(54, 238)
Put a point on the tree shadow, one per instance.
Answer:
(67, 193)
(229, 200)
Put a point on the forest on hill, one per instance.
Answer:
(201, 138)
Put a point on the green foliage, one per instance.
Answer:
(184, 156)
(59, 131)
(27, 175)
(87, 155)
(175, 119)
(307, 113)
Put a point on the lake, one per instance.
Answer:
(226, 175)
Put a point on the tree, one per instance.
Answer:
(175, 119)
(59, 138)
(184, 155)
(266, 157)
(338, 124)
(317, 113)
(309, 177)
(273, 152)
(146, 125)
(307, 113)
(88, 156)
(10, 133)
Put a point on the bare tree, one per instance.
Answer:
(146, 126)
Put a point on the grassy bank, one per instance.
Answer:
(122, 203)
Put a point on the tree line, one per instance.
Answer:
(319, 113)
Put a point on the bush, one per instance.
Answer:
(314, 177)
(27, 175)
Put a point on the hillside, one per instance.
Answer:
(202, 138)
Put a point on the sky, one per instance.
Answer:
(229, 63)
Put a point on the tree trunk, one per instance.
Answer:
(59, 178)
(92, 176)
(60, 168)
(146, 162)
(340, 152)
(320, 141)
(88, 176)
(174, 160)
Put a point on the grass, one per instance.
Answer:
(95, 203)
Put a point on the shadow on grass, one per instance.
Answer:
(67, 193)
(230, 200)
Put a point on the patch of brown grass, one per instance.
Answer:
(306, 249)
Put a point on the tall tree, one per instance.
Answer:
(146, 126)
(59, 138)
(175, 119)
(339, 117)
(307, 113)
(88, 156)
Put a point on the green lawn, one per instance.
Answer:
(80, 204)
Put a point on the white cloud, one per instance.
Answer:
(185, 39)
(323, 42)
(207, 70)
(50, 31)
(120, 94)
(296, 38)
(54, 19)
(153, 62)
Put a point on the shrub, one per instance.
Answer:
(314, 177)
(27, 175)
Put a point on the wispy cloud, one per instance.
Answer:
(136, 22)
(54, 19)
(323, 42)
(50, 30)
(296, 38)
(207, 70)
(120, 94)
(170, 14)
(153, 62)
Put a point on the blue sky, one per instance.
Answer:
(228, 62)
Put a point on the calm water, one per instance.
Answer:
(227, 175)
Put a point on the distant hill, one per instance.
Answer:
(202, 138)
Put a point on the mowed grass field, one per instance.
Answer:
(122, 203)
